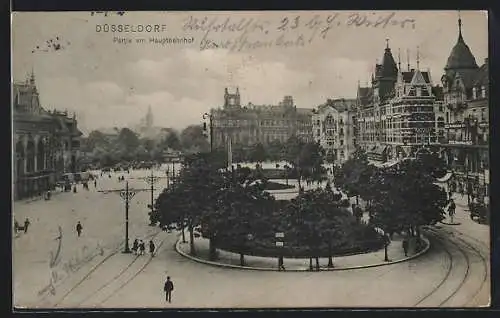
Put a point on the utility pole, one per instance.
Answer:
(151, 180)
(126, 194)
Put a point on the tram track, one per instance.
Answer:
(452, 265)
(130, 279)
(97, 267)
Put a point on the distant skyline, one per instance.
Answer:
(112, 84)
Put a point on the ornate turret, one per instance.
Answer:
(461, 57)
(389, 68)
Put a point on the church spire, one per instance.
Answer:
(459, 27)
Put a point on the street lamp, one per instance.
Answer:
(126, 194)
(209, 116)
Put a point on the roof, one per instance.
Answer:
(461, 56)
(408, 76)
(389, 68)
(482, 76)
(304, 111)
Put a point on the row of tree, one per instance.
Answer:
(127, 145)
(233, 206)
(272, 151)
(401, 197)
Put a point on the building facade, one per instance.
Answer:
(251, 124)
(396, 115)
(466, 99)
(46, 143)
(334, 128)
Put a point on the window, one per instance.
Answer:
(483, 114)
(483, 92)
(474, 92)
(341, 142)
(440, 108)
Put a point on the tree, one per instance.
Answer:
(314, 218)
(406, 198)
(354, 175)
(173, 141)
(126, 143)
(192, 138)
(97, 139)
(258, 153)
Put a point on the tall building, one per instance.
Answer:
(46, 143)
(397, 114)
(334, 127)
(251, 124)
(466, 96)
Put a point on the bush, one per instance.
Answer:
(359, 239)
(337, 196)
(269, 185)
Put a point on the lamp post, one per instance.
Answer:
(211, 127)
(126, 194)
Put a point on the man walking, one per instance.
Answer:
(79, 228)
(152, 248)
(26, 225)
(451, 210)
(405, 246)
(168, 288)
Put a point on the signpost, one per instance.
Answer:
(127, 195)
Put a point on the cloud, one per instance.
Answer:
(104, 91)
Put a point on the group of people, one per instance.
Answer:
(24, 228)
(139, 247)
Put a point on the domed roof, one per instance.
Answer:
(461, 56)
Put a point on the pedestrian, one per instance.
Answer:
(74, 189)
(142, 247)
(95, 183)
(451, 210)
(26, 225)
(79, 228)
(281, 266)
(405, 246)
(152, 248)
(168, 288)
(135, 246)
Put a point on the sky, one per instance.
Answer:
(110, 78)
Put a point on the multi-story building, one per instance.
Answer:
(46, 143)
(252, 124)
(396, 114)
(466, 97)
(334, 128)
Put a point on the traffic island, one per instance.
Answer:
(227, 259)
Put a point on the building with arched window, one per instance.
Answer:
(396, 115)
(45, 143)
(250, 124)
(334, 128)
(466, 91)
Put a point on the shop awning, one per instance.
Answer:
(446, 177)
